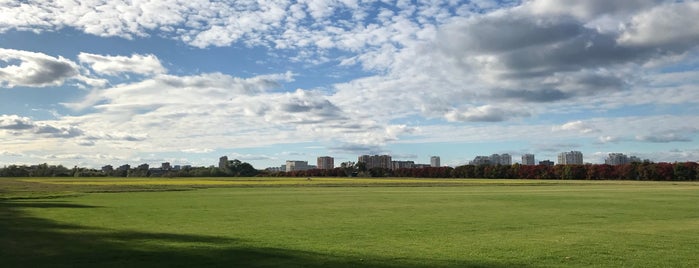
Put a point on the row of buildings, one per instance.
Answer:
(564, 158)
(385, 161)
(368, 161)
(166, 166)
(494, 159)
(615, 159)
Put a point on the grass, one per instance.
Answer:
(284, 222)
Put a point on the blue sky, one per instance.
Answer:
(104, 82)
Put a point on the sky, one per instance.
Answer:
(97, 82)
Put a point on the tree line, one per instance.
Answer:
(679, 171)
(646, 171)
(235, 169)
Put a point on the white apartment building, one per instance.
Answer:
(570, 158)
(326, 162)
(292, 165)
(434, 161)
(528, 160)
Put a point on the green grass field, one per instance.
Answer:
(285, 222)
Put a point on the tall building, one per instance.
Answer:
(223, 162)
(615, 159)
(293, 165)
(494, 159)
(165, 166)
(434, 161)
(480, 160)
(124, 167)
(375, 161)
(636, 159)
(505, 160)
(570, 158)
(546, 163)
(325, 162)
(107, 168)
(528, 160)
(402, 164)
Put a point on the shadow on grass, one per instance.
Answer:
(27, 241)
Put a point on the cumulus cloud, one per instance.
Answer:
(356, 149)
(15, 122)
(540, 51)
(11, 154)
(609, 139)
(58, 132)
(115, 65)
(670, 25)
(249, 157)
(234, 111)
(588, 9)
(197, 150)
(486, 113)
(301, 107)
(549, 52)
(20, 125)
(25, 68)
(31, 129)
(151, 93)
(577, 126)
(674, 135)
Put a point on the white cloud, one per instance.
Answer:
(588, 9)
(669, 135)
(33, 69)
(10, 154)
(250, 157)
(15, 122)
(577, 126)
(486, 113)
(671, 26)
(115, 65)
(609, 139)
(198, 150)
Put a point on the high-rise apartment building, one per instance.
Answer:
(293, 165)
(505, 160)
(375, 161)
(480, 160)
(326, 162)
(434, 161)
(570, 158)
(223, 162)
(402, 164)
(165, 166)
(615, 159)
(500, 159)
(528, 160)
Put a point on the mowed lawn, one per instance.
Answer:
(459, 223)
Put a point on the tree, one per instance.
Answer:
(665, 171)
(685, 171)
(360, 166)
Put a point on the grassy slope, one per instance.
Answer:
(476, 224)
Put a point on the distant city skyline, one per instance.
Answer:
(385, 160)
(119, 82)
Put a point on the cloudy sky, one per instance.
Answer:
(96, 82)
